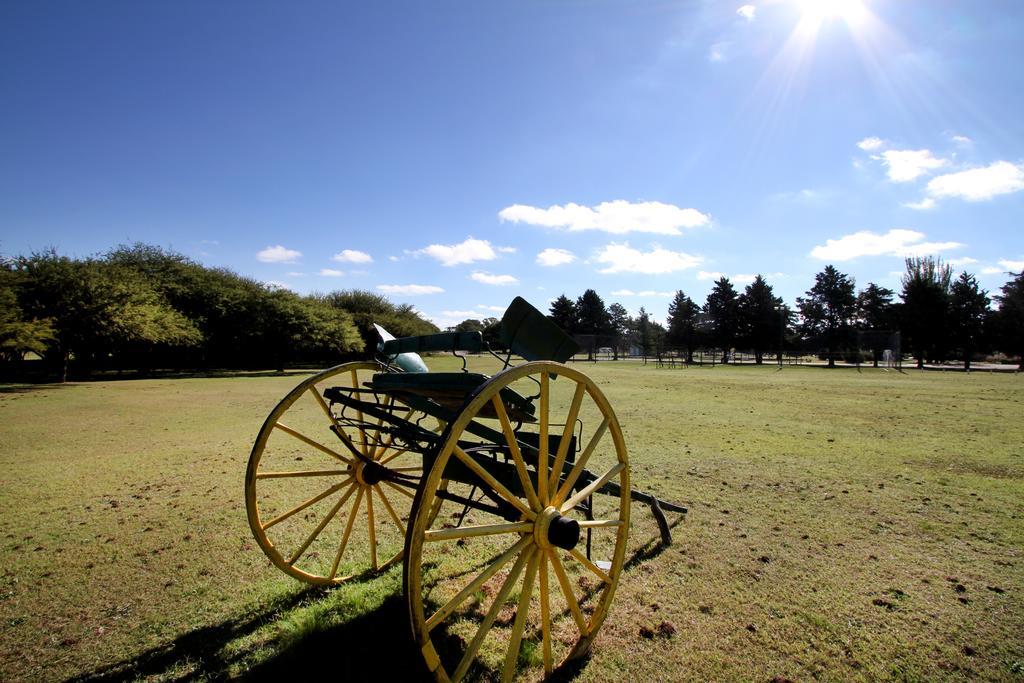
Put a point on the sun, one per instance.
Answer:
(851, 12)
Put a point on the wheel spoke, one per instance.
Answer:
(391, 511)
(582, 559)
(403, 491)
(320, 527)
(498, 487)
(517, 456)
(302, 506)
(599, 523)
(315, 444)
(522, 611)
(577, 469)
(492, 613)
(570, 597)
(383, 447)
(545, 614)
(323, 404)
(480, 530)
(589, 489)
(570, 423)
(348, 530)
(300, 473)
(542, 450)
(474, 585)
(397, 452)
(371, 528)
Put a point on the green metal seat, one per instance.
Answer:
(449, 389)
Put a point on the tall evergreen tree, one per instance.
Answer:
(762, 317)
(563, 313)
(683, 315)
(827, 311)
(876, 318)
(591, 319)
(968, 312)
(721, 316)
(925, 309)
(1010, 317)
(618, 324)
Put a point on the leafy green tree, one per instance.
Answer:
(469, 325)
(761, 317)
(368, 308)
(968, 312)
(563, 314)
(925, 309)
(721, 316)
(1010, 317)
(827, 311)
(682, 331)
(19, 336)
(98, 309)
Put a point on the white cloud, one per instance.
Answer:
(277, 284)
(392, 258)
(646, 292)
(278, 254)
(991, 270)
(331, 272)
(964, 261)
(621, 258)
(460, 314)
(979, 184)
(748, 12)
(866, 243)
(923, 205)
(618, 217)
(508, 250)
(494, 309)
(736, 278)
(717, 51)
(905, 165)
(295, 274)
(555, 257)
(409, 290)
(468, 251)
(1015, 266)
(352, 256)
(871, 144)
(488, 279)
(961, 140)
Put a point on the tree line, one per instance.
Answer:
(142, 307)
(937, 317)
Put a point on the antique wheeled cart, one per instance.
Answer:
(485, 487)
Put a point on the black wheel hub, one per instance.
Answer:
(564, 533)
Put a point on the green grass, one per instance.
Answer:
(842, 526)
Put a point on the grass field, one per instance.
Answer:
(842, 526)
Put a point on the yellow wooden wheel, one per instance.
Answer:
(522, 582)
(320, 512)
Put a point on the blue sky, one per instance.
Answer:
(455, 154)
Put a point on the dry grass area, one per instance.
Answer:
(842, 526)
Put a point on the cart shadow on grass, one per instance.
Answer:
(373, 646)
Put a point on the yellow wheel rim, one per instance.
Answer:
(492, 595)
(310, 507)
